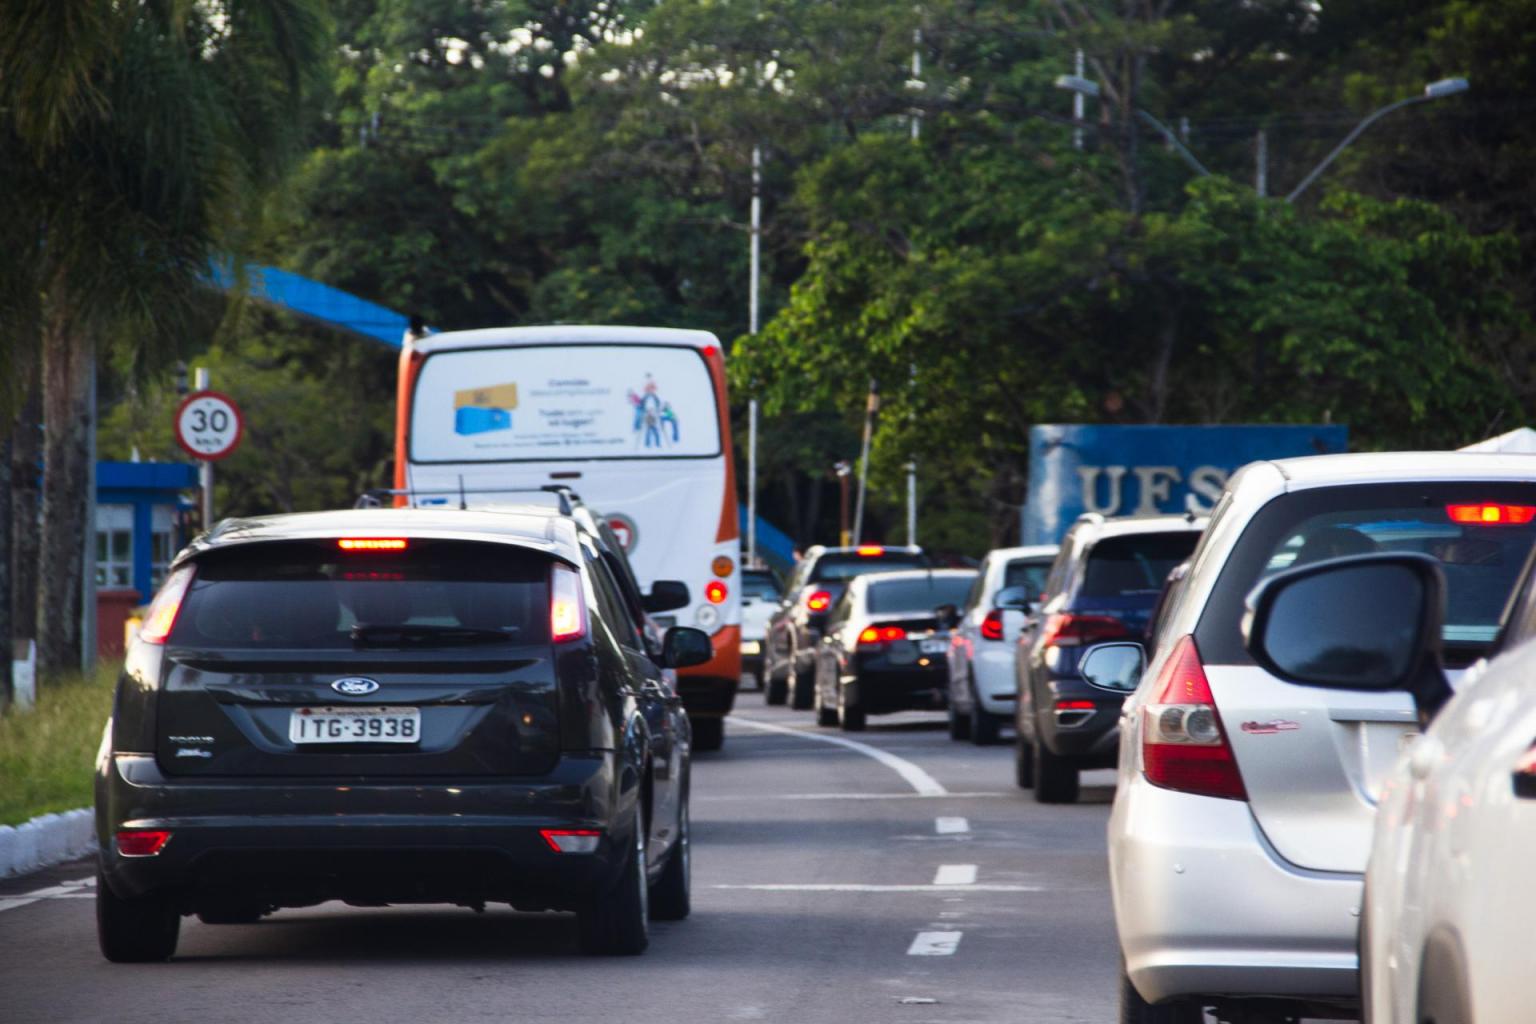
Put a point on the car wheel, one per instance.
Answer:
(959, 725)
(801, 694)
(825, 716)
(140, 930)
(850, 717)
(1136, 1010)
(708, 733)
(1055, 777)
(615, 924)
(984, 726)
(1023, 763)
(775, 688)
(670, 899)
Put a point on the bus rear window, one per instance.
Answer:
(846, 567)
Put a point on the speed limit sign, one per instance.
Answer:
(208, 425)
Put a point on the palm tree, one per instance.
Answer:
(138, 142)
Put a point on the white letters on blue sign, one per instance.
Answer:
(1154, 489)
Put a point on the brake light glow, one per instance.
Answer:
(141, 842)
(1491, 515)
(1183, 744)
(1075, 705)
(567, 611)
(715, 591)
(818, 601)
(371, 543)
(161, 617)
(1065, 629)
(873, 635)
(571, 840)
(992, 625)
(870, 550)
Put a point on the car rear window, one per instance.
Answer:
(761, 585)
(1135, 565)
(1028, 574)
(313, 595)
(1481, 562)
(846, 567)
(919, 595)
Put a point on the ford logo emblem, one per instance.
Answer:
(355, 686)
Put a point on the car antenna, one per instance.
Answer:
(462, 503)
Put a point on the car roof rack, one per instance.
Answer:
(377, 497)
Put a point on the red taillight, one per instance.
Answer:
(1491, 515)
(715, 591)
(1075, 705)
(818, 601)
(873, 635)
(372, 543)
(567, 611)
(992, 625)
(1183, 744)
(161, 617)
(141, 842)
(870, 550)
(1065, 629)
(571, 840)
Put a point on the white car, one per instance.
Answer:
(760, 597)
(982, 693)
(1245, 804)
(1449, 897)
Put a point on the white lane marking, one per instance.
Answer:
(737, 798)
(950, 826)
(866, 887)
(935, 944)
(955, 874)
(62, 891)
(918, 779)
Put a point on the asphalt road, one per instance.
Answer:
(829, 886)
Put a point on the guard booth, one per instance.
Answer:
(140, 525)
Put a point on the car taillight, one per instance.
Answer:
(873, 636)
(571, 840)
(1075, 705)
(870, 550)
(1491, 515)
(1183, 744)
(992, 625)
(372, 543)
(141, 842)
(818, 601)
(567, 611)
(1524, 775)
(1064, 629)
(161, 617)
(715, 591)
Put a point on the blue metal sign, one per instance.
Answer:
(1145, 470)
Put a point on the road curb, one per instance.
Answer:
(45, 840)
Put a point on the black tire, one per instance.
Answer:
(1023, 763)
(140, 930)
(825, 717)
(1055, 777)
(775, 689)
(959, 725)
(803, 693)
(984, 727)
(850, 717)
(616, 923)
(1136, 1010)
(708, 733)
(670, 900)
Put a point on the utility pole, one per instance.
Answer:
(1078, 99)
(917, 80)
(752, 317)
(1261, 163)
(870, 407)
(843, 470)
(88, 562)
(204, 466)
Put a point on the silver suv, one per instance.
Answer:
(1243, 816)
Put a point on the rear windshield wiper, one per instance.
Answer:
(424, 634)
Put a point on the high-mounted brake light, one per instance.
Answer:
(872, 635)
(818, 601)
(567, 611)
(141, 842)
(571, 840)
(870, 550)
(1183, 744)
(372, 543)
(1065, 629)
(715, 591)
(161, 617)
(1491, 515)
(992, 625)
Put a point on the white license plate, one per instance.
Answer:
(751, 647)
(355, 725)
(933, 646)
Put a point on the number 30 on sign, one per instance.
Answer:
(208, 425)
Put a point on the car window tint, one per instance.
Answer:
(626, 630)
(309, 594)
(1134, 565)
(1028, 573)
(918, 595)
(846, 567)
(761, 585)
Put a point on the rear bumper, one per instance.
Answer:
(709, 689)
(879, 688)
(297, 842)
(1204, 906)
(996, 685)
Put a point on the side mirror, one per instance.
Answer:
(666, 596)
(1012, 599)
(1368, 622)
(948, 615)
(1114, 667)
(682, 646)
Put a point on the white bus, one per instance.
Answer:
(633, 419)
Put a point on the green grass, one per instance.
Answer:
(47, 754)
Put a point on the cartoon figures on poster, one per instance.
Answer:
(655, 424)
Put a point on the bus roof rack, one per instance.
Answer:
(377, 497)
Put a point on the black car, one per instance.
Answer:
(885, 649)
(794, 632)
(392, 706)
(1103, 585)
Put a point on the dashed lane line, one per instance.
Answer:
(919, 780)
(951, 826)
(955, 874)
(948, 794)
(935, 944)
(869, 887)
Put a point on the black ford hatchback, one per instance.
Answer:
(392, 706)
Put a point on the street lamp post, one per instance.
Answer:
(1432, 91)
(1087, 87)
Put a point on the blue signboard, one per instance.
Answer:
(1145, 470)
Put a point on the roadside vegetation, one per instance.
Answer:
(47, 753)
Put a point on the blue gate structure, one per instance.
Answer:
(314, 301)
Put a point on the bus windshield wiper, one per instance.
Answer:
(426, 634)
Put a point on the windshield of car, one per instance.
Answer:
(846, 567)
(1135, 565)
(917, 595)
(763, 586)
(1027, 573)
(313, 595)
